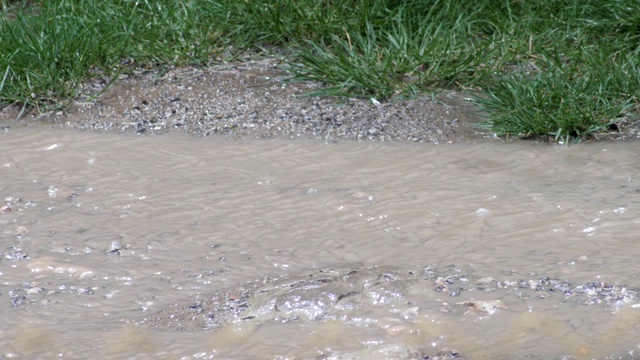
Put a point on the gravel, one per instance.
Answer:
(254, 101)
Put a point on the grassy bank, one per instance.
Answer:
(566, 69)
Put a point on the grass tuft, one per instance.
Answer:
(566, 101)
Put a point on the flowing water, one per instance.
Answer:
(101, 229)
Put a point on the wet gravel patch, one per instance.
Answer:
(339, 293)
(459, 291)
(254, 101)
(608, 295)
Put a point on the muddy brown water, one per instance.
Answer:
(104, 229)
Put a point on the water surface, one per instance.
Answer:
(118, 227)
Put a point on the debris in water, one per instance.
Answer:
(485, 307)
(21, 231)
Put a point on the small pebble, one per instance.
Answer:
(21, 231)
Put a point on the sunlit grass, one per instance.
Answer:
(561, 68)
(49, 49)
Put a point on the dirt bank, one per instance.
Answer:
(254, 101)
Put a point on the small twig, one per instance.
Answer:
(348, 39)
(326, 138)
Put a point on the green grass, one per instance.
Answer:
(561, 68)
(567, 101)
